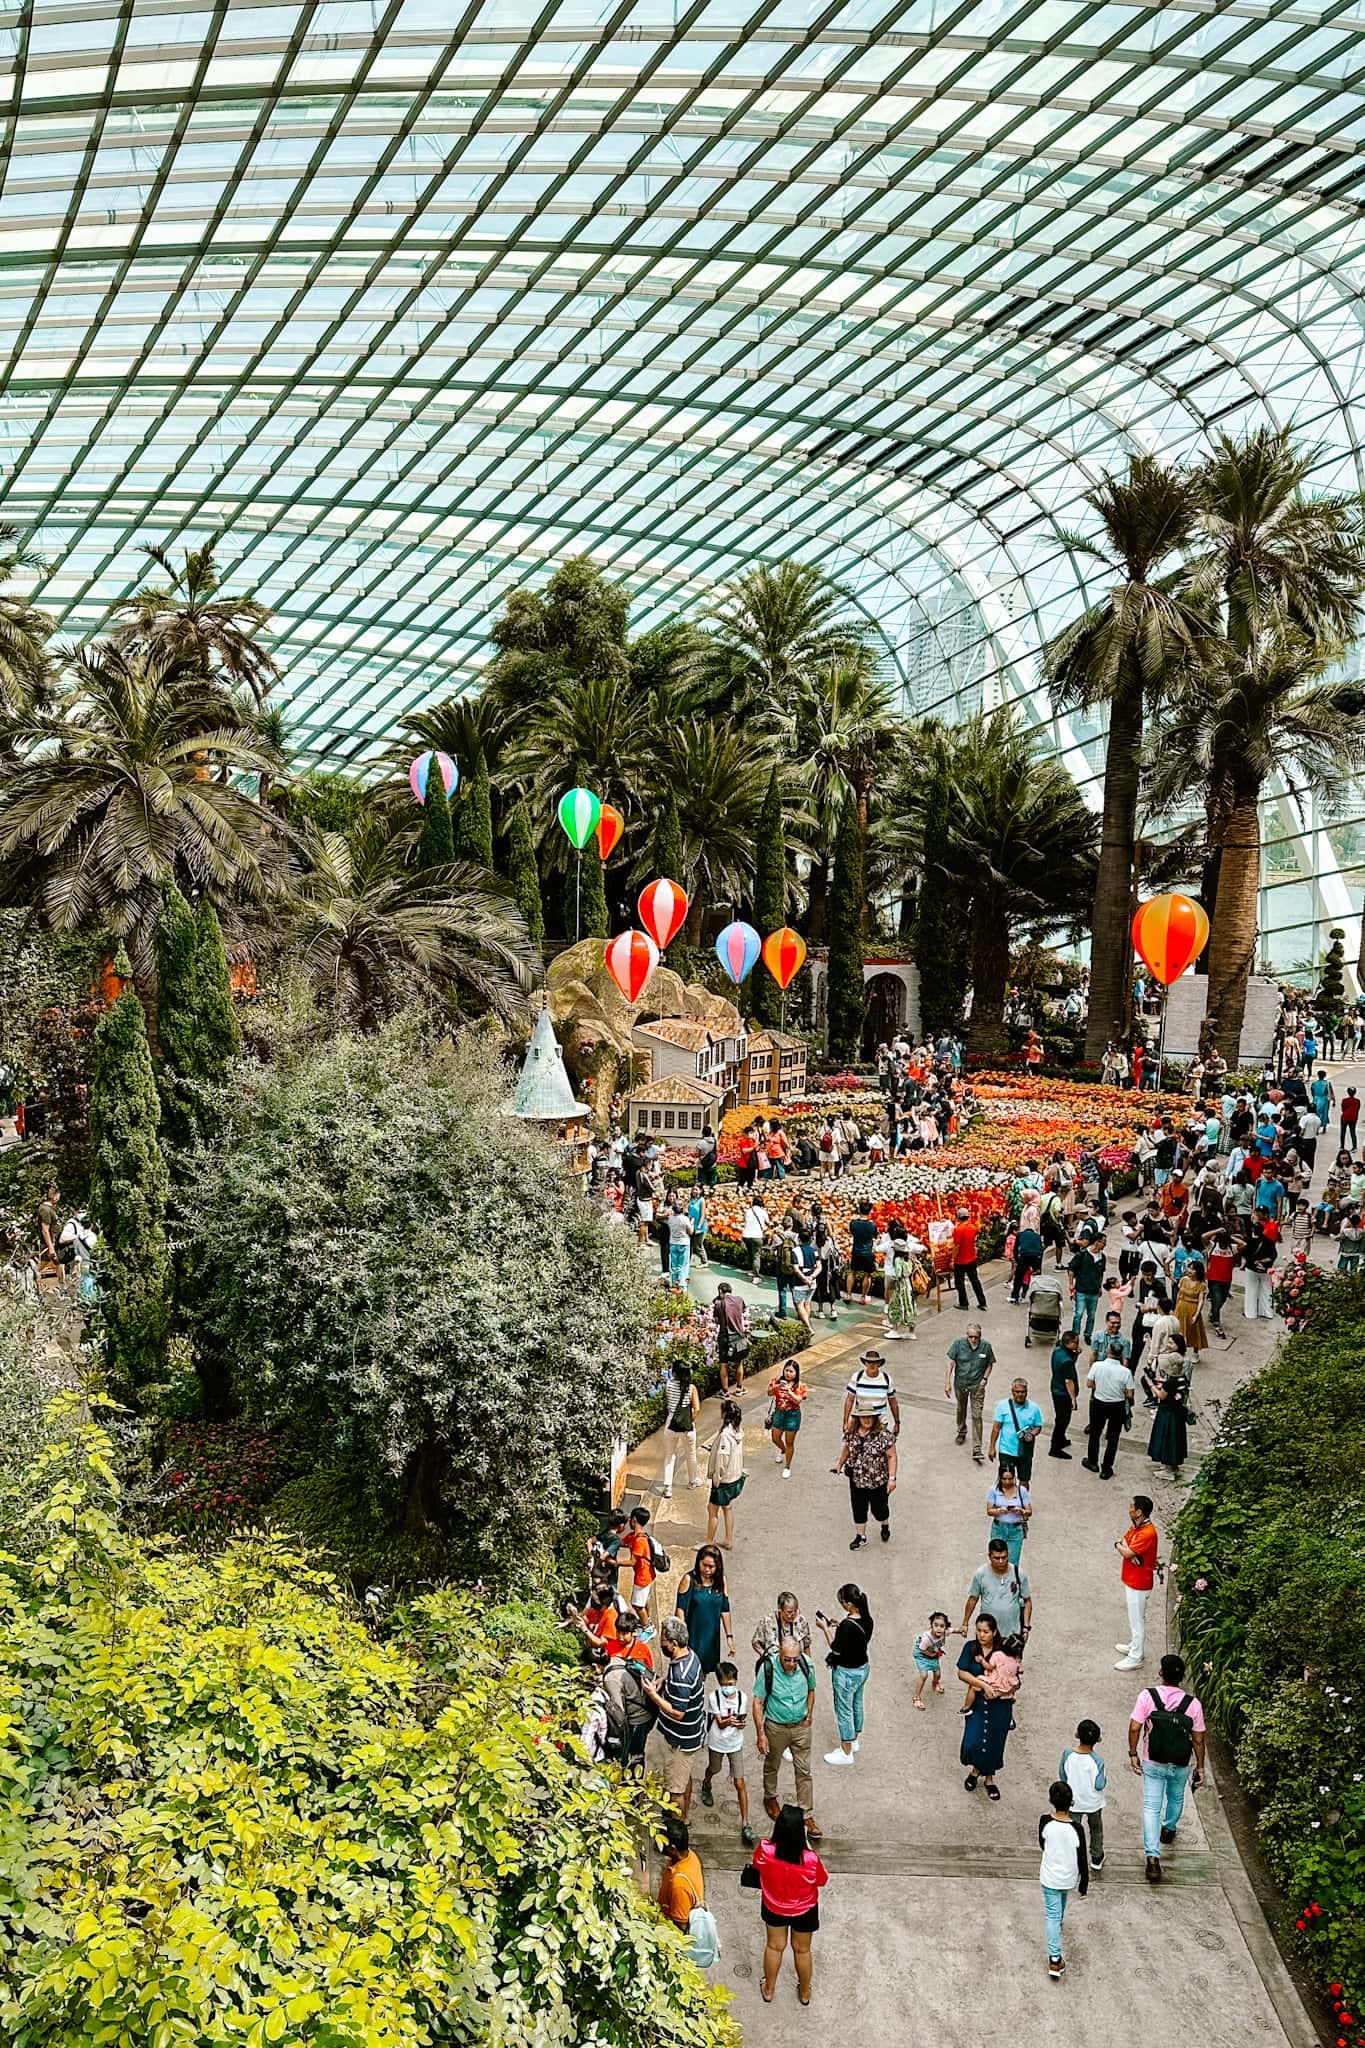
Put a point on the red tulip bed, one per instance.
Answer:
(1017, 1118)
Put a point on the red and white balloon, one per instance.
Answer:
(631, 958)
(663, 911)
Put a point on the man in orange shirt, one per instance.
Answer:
(1175, 1199)
(1137, 1547)
(964, 1260)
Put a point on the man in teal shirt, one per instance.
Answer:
(1017, 1426)
(784, 1707)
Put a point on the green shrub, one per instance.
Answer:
(768, 1349)
(1272, 1616)
(328, 1514)
(531, 1629)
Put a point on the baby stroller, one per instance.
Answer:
(1044, 1311)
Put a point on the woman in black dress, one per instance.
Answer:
(1169, 1442)
(987, 1726)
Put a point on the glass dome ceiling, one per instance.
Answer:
(413, 300)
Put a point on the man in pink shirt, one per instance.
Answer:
(1165, 1737)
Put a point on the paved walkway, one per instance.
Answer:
(933, 1900)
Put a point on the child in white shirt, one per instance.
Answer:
(727, 1716)
(1063, 1870)
(1082, 1768)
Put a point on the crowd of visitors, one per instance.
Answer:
(1128, 1294)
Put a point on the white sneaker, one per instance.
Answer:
(1129, 1664)
(667, 1493)
(786, 1471)
(1123, 1648)
(837, 1756)
(856, 1745)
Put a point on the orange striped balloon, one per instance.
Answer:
(610, 826)
(663, 909)
(783, 953)
(1170, 932)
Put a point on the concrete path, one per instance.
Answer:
(934, 1900)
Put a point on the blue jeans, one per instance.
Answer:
(1086, 1305)
(848, 1701)
(679, 1263)
(784, 1283)
(1054, 1912)
(1163, 1801)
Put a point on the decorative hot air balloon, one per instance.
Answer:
(610, 826)
(579, 811)
(783, 953)
(663, 908)
(1168, 933)
(737, 948)
(631, 958)
(419, 774)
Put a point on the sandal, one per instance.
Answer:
(970, 1781)
(920, 1704)
(992, 1791)
(765, 1994)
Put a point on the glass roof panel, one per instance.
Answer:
(410, 304)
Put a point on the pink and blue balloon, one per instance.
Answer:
(737, 948)
(419, 774)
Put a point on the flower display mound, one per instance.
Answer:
(1017, 1118)
(1271, 1573)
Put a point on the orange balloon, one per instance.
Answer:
(1168, 933)
(610, 826)
(783, 953)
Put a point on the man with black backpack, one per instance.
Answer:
(1165, 1736)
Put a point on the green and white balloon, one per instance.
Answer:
(579, 811)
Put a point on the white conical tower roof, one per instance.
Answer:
(544, 1093)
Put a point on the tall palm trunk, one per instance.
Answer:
(990, 973)
(1111, 945)
(1232, 940)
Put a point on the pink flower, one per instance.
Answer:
(1201, 1585)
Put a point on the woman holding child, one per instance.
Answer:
(989, 1668)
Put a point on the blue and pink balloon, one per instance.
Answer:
(419, 774)
(737, 948)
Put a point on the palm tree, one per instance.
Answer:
(1264, 555)
(1121, 653)
(849, 741)
(718, 776)
(1242, 717)
(1020, 846)
(373, 935)
(773, 632)
(595, 732)
(185, 620)
(117, 788)
(25, 669)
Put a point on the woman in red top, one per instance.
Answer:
(790, 1877)
(1218, 1258)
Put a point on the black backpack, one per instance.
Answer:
(1170, 1731)
(661, 1559)
(627, 1708)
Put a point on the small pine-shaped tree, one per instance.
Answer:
(595, 924)
(668, 865)
(128, 1187)
(1332, 987)
(846, 1007)
(524, 875)
(474, 815)
(770, 879)
(436, 841)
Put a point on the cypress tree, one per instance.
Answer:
(436, 841)
(128, 1187)
(177, 1014)
(219, 1037)
(845, 993)
(524, 875)
(936, 951)
(474, 817)
(668, 865)
(770, 875)
(594, 921)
